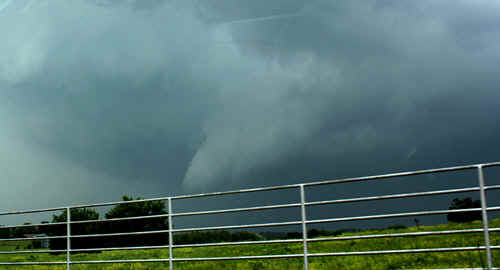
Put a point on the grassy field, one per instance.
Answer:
(402, 261)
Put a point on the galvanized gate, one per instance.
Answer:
(301, 205)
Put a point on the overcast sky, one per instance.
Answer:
(100, 98)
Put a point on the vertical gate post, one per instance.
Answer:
(68, 239)
(485, 215)
(170, 236)
(304, 226)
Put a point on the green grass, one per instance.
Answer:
(400, 261)
(14, 245)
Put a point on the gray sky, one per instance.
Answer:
(100, 98)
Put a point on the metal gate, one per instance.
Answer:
(301, 205)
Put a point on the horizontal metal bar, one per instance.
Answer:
(190, 213)
(240, 258)
(495, 208)
(116, 234)
(490, 164)
(31, 211)
(120, 261)
(239, 226)
(32, 225)
(456, 168)
(179, 197)
(259, 225)
(395, 196)
(31, 263)
(33, 251)
(391, 235)
(190, 245)
(31, 238)
(117, 248)
(264, 242)
(298, 240)
(355, 253)
(268, 241)
(118, 219)
(290, 240)
(269, 224)
(390, 175)
(407, 214)
(283, 205)
(267, 207)
(492, 187)
(213, 212)
(400, 174)
(118, 203)
(396, 251)
(240, 243)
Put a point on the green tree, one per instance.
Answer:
(77, 214)
(149, 208)
(137, 209)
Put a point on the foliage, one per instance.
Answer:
(465, 203)
(148, 208)
(77, 214)
(136, 209)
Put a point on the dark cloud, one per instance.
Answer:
(155, 97)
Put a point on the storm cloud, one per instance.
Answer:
(166, 97)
